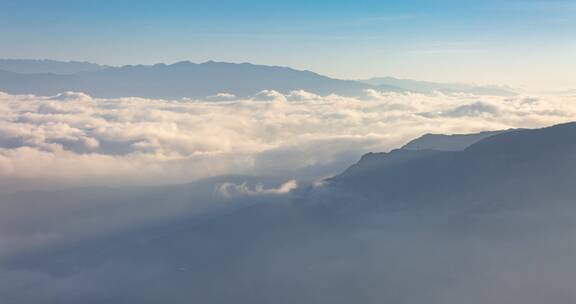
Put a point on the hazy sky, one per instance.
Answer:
(519, 42)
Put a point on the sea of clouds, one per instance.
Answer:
(73, 139)
(141, 146)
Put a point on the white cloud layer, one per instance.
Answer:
(232, 190)
(73, 139)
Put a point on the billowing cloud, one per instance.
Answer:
(473, 110)
(221, 97)
(73, 96)
(73, 139)
(231, 190)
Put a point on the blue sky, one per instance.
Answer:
(527, 43)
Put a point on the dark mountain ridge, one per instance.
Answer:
(520, 166)
(455, 142)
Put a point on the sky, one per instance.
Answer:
(522, 43)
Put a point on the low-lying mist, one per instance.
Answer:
(280, 252)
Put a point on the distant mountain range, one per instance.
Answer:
(190, 80)
(31, 66)
(447, 88)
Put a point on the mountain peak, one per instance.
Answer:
(496, 168)
(454, 142)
